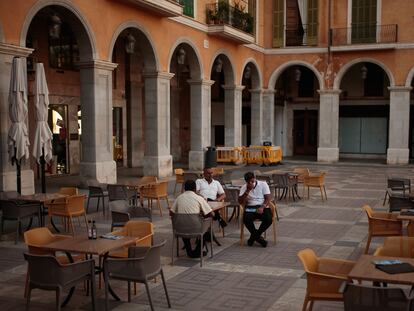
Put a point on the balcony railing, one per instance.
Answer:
(222, 13)
(365, 34)
(303, 36)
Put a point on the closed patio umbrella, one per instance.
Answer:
(42, 144)
(18, 138)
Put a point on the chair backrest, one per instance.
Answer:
(191, 176)
(10, 208)
(139, 228)
(369, 211)
(161, 189)
(302, 173)
(151, 264)
(280, 179)
(43, 270)
(397, 246)
(38, 237)
(179, 175)
(94, 190)
(147, 180)
(187, 224)
(309, 260)
(398, 202)
(369, 298)
(398, 184)
(117, 192)
(232, 196)
(76, 203)
(69, 190)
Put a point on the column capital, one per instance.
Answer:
(330, 92)
(399, 88)
(158, 75)
(269, 91)
(201, 82)
(15, 50)
(96, 64)
(234, 87)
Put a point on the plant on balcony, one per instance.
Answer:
(223, 10)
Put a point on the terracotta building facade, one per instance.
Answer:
(151, 83)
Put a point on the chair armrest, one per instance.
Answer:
(72, 272)
(384, 215)
(335, 266)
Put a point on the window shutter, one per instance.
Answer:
(278, 21)
(312, 30)
(188, 7)
(364, 21)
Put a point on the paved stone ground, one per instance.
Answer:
(238, 277)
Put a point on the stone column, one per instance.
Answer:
(328, 150)
(233, 115)
(257, 116)
(398, 151)
(135, 134)
(8, 177)
(200, 121)
(268, 116)
(96, 104)
(157, 158)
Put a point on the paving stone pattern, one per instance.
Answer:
(238, 277)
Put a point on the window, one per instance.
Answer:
(188, 9)
(364, 21)
(312, 31)
(63, 51)
(278, 21)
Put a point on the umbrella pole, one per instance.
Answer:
(18, 171)
(42, 170)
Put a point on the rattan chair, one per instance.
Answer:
(274, 213)
(191, 226)
(45, 272)
(399, 186)
(69, 190)
(324, 277)
(316, 181)
(179, 179)
(154, 191)
(142, 265)
(359, 297)
(302, 172)
(399, 202)
(397, 246)
(381, 224)
(68, 208)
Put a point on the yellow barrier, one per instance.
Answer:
(229, 155)
(262, 155)
(273, 155)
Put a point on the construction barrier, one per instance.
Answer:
(272, 155)
(253, 155)
(229, 155)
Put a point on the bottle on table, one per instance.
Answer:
(89, 230)
(94, 231)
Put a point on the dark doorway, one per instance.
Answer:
(305, 132)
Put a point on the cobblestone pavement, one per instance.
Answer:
(238, 277)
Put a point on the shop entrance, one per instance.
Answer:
(305, 132)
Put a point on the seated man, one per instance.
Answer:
(211, 190)
(189, 202)
(255, 196)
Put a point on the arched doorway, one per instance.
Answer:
(252, 106)
(297, 111)
(60, 41)
(364, 111)
(185, 66)
(133, 53)
(226, 107)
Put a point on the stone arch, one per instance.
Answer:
(410, 77)
(341, 73)
(227, 66)
(276, 74)
(196, 66)
(257, 81)
(87, 41)
(151, 64)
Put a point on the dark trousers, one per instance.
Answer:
(250, 217)
(195, 253)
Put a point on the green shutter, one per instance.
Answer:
(278, 22)
(188, 7)
(312, 30)
(364, 21)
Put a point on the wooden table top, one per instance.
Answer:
(364, 269)
(43, 197)
(81, 244)
(405, 217)
(215, 206)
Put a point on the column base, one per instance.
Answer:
(160, 166)
(103, 172)
(328, 155)
(397, 156)
(9, 181)
(196, 160)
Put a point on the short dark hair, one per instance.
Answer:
(190, 185)
(207, 168)
(248, 176)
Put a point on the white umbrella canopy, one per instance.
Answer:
(43, 135)
(18, 136)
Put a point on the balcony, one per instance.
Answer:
(364, 36)
(302, 36)
(164, 8)
(230, 22)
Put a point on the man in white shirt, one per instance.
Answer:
(211, 190)
(255, 196)
(189, 202)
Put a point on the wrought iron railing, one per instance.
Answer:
(188, 7)
(305, 35)
(223, 13)
(359, 34)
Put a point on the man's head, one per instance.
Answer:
(208, 174)
(250, 178)
(190, 185)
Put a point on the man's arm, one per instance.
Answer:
(243, 197)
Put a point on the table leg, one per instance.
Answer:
(111, 291)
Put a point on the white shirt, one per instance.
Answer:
(256, 195)
(190, 202)
(209, 190)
